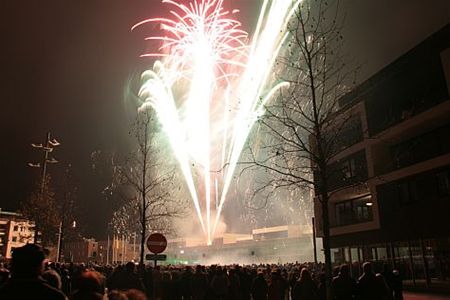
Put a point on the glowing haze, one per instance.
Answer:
(208, 86)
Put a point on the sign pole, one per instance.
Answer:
(314, 240)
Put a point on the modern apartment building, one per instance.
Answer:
(390, 192)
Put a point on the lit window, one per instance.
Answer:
(354, 211)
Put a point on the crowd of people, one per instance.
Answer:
(29, 276)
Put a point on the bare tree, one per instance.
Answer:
(146, 186)
(68, 228)
(41, 208)
(302, 126)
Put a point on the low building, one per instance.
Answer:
(279, 244)
(15, 231)
(82, 250)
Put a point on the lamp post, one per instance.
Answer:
(61, 238)
(47, 148)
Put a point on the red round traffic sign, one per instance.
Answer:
(156, 243)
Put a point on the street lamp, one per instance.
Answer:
(47, 148)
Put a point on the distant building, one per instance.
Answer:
(390, 188)
(82, 250)
(118, 249)
(279, 244)
(15, 231)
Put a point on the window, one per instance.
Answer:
(443, 180)
(354, 211)
(363, 210)
(16, 228)
(14, 239)
(407, 192)
(344, 213)
(349, 168)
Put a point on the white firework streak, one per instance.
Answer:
(269, 36)
(157, 92)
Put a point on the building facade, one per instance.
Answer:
(15, 231)
(82, 250)
(278, 244)
(390, 185)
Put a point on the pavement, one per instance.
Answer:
(422, 296)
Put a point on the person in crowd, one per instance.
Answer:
(176, 286)
(199, 284)
(91, 286)
(234, 286)
(371, 286)
(259, 287)
(275, 288)
(52, 277)
(117, 295)
(245, 281)
(4, 274)
(185, 284)
(321, 287)
(166, 285)
(397, 285)
(304, 288)
(27, 267)
(157, 283)
(147, 280)
(220, 284)
(389, 279)
(343, 287)
(134, 294)
(125, 278)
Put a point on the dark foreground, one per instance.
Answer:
(29, 277)
(419, 296)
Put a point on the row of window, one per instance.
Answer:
(353, 211)
(410, 190)
(421, 148)
(20, 228)
(348, 171)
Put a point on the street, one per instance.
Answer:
(420, 296)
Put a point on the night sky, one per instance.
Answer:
(64, 65)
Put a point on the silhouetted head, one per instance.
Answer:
(117, 295)
(53, 278)
(130, 267)
(134, 294)
(387, 268)
(367, 267)
(91, 281)
(305, 275)
(27, 261)
(344, 270)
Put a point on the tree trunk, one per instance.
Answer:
(326, 243)
(145, 153)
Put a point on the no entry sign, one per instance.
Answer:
(156, 243)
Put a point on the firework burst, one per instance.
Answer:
(221, 81)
